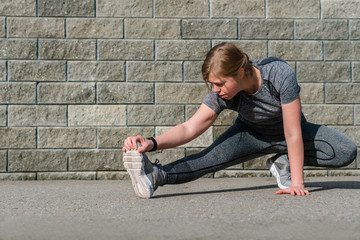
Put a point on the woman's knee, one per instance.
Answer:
(352, 153)
(340, 149)
(346, 154)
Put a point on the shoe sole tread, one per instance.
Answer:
(133, 162)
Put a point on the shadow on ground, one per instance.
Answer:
(313, 186)
(333, 185)
(215, 191)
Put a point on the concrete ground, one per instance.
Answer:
(228, 208)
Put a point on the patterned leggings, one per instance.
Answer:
(324, 147)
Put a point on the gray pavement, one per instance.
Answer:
(228, 208)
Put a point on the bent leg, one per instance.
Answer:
(327, 147)
(235, 146)
(323, 147)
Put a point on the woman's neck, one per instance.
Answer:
(254, 81)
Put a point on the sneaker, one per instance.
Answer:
(280, 167)
(145, 175)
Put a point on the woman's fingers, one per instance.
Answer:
(293, 191)
(130, 143)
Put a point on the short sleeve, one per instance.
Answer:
(213, 101)
(290, 89)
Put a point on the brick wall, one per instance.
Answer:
(79, 76)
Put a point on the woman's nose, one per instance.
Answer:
(216, 89)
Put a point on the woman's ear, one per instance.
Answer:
(241, 73)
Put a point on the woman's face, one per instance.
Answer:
(225, 87)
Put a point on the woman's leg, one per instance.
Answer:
(323, 146)
(327, 147)
(235, 146)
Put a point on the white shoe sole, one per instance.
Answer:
(133, 162)
(276, 174)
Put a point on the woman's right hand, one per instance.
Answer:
(130, 143)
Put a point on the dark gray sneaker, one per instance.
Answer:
(280, 167)
(145, 175)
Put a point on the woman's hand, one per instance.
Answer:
(131, 143)
(294, 190)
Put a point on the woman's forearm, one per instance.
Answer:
(189, 130)
(176, 136)
(294, 141)
(296, 158)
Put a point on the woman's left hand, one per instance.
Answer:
(294, 190)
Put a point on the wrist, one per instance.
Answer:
(297, 184)
(154, 148)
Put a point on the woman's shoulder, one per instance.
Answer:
(273, 66)
(270, 62)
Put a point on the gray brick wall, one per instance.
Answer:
(79, 76)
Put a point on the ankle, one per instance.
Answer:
(162, 175)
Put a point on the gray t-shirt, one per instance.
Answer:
(262, 110)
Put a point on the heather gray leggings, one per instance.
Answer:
(324, 147)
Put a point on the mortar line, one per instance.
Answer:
(210, 9)
(65, 27)
(7, 116)
(7, 161)
(67, 161)
(37, 8)
(6, 28)
(154, 96)
(7, 71)
(96, 99)
(153, 8)
(266, 9)
(181, 29)
(183, 71)
(294, 30)
(67, 115)
(37, 93)
(154, 47)
(238, 30)
(321, 12)
(95, 6)
(185, 113)
(66, 71)
(37, 50)
(37, 137)
(125, 74)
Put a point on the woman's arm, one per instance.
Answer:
(178, 135)
(294, 141)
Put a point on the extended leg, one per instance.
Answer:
(235, 146)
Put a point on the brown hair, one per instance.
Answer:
(225, 60)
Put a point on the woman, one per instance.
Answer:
(265, 93)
